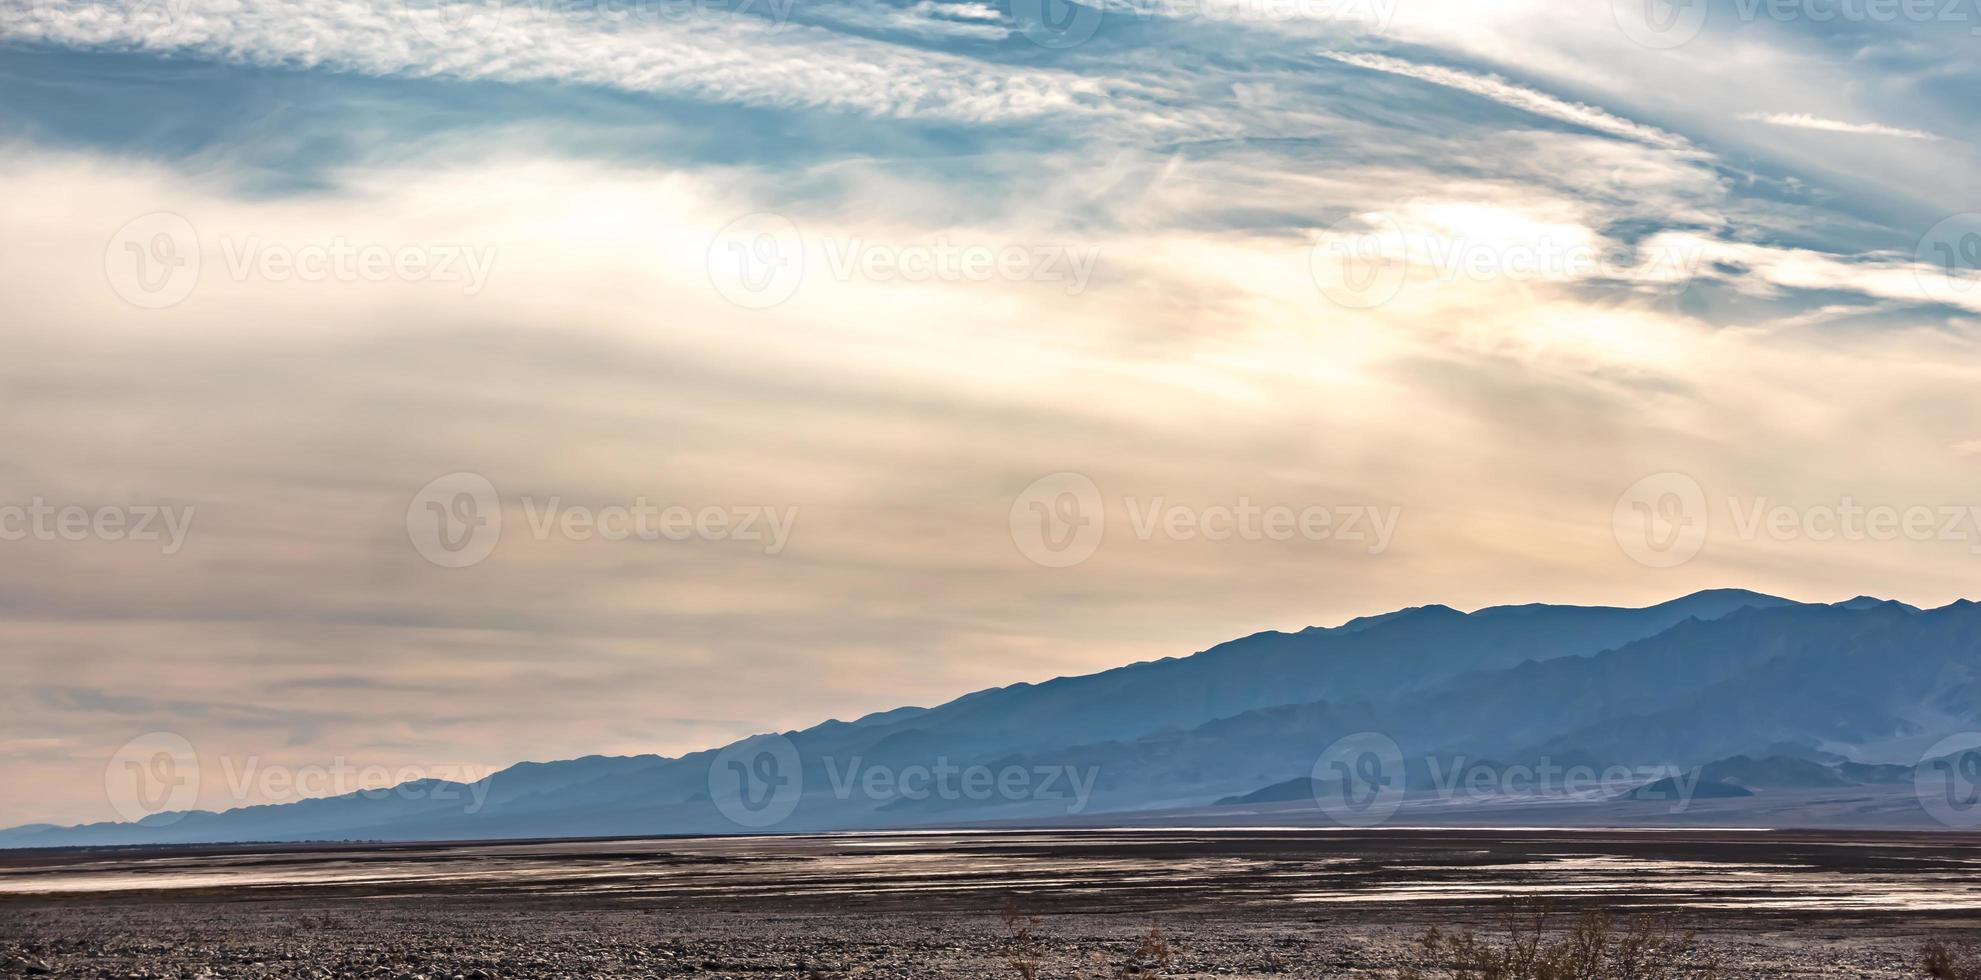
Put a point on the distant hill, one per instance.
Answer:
(1745, 776)
(1753, 688)
(1289, 791)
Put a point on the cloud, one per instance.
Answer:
(711, 54)
(1515, 96)
(898, 413)
(925, 18)
(1803, 120)
(1767, 271)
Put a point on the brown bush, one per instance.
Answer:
(1150, 958)
(1594, 948)
(1945, 962)
(1022, 951)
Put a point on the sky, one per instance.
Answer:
(417, 389)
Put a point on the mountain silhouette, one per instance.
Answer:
(1760, 691)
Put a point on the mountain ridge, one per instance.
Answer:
(1244, 714)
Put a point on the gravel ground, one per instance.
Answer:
(424, 941)
(1077, 906)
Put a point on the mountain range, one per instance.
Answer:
(1721, 693)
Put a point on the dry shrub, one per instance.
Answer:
(1151, 957)
(1946, 962)
(1595, 947)
(1021, 950)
